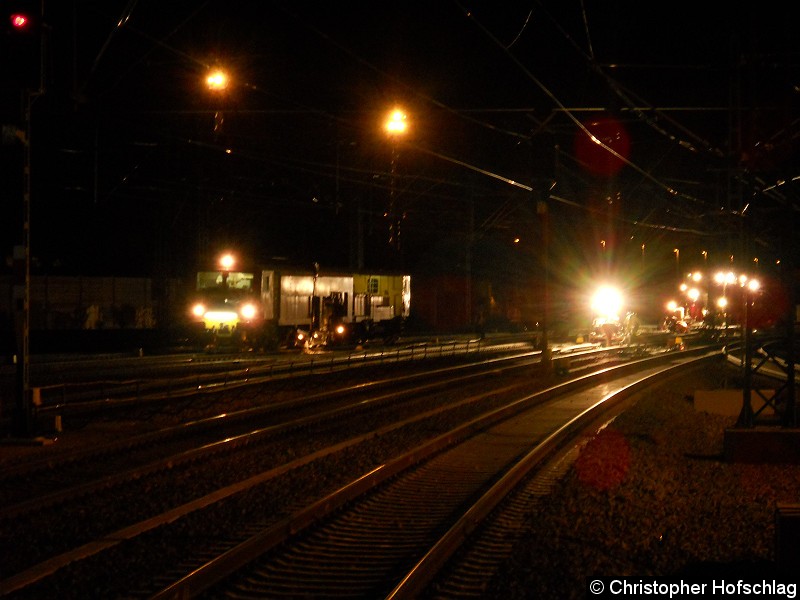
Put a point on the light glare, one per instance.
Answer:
(397, 123)
(217, 80)
(248, 311)
(222, 317)
(19, 20)
(607, 302)
(227, 261)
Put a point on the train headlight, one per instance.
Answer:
(340, 329)
(198, 310)
(248, 311)
(607, 303)
(300, 336)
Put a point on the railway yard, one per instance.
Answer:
(487, 301)
(461, 474)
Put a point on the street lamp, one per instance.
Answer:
(396, 125)
(725, 278)
(217, 83)
(226, 261)
(217, 80)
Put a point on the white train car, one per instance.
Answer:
(320, 308)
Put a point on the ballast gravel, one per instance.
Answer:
(651, 495)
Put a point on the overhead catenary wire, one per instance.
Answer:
(469, 116)
(646, 174)
(459, 113)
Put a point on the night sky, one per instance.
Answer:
(138, 169)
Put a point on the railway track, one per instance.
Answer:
(37, 484)
(388, 534)
(73, 387)
(289, 458)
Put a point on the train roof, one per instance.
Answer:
(287, 269)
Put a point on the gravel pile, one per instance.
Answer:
(651, 495)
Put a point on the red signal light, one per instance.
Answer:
(20, 21)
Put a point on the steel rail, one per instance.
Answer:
(42, 570)
(424, 571)
(99, 394)
(437, 378)
(215, 570)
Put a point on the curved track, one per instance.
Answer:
(423, 415)
(392, 540)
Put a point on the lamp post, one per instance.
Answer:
(542, 211)
(746, 416)
(706, 275)
(396, 126)
(724, 279)
(24, 423)
(217, 82)
(677, 253)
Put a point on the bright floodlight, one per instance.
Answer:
(725, 278)
(226, 261)
(753, 285)
(217, 80)
(693, 294)
(397, 123)
(607, 302)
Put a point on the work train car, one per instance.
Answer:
(299, 308)
(327, 309)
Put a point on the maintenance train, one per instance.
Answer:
(296, 307)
